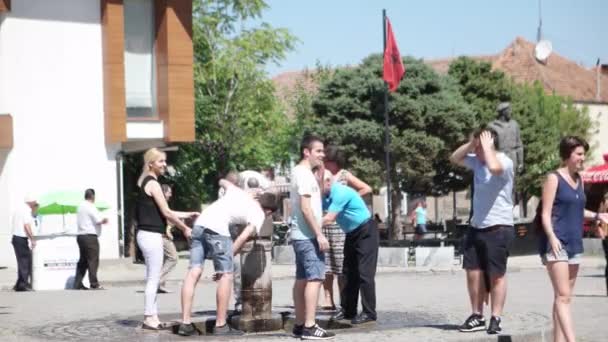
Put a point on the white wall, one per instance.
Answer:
(51, 82)
(599, 113)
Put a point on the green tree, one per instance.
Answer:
(482, 87)
(299, 103)
(239, 122)
(428, 116)
(544, 119)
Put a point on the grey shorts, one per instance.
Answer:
(206, 244)
(310, 261)
(561, 256)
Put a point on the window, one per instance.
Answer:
(140, 65)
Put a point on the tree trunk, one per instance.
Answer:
(397, 227)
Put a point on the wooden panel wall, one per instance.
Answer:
(174, 58)
(5, 5)
(6, 131)
(113, 34)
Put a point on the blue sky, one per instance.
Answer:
(341, 32)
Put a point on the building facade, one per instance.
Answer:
(82, 82)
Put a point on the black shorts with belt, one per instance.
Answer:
(487, 249)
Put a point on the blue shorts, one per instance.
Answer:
(310, 261)
(206, 244)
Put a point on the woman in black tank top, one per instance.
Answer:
(152, 214)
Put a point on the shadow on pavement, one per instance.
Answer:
(446, 327)
(131, 323)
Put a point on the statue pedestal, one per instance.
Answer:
(256, 289)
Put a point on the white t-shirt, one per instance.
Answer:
(303, 182)
(88, 219)
(493, 195)
(235, 207)
(21, 217)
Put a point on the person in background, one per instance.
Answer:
(251, 180)
(23, 241)
(419, 220)
(602, 233)
(152, 213)
(170, 256)
(335, 162)
(89, 222)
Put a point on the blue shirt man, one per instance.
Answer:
(343, 205)
(347, 205)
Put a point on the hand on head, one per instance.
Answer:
(486, 140)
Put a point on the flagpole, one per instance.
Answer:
(387, 141)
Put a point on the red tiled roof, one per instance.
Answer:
(558, 74)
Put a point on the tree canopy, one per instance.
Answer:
(428, 116)
(239, 122)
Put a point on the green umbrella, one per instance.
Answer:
(64, 202)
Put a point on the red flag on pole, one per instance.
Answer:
(393, 65)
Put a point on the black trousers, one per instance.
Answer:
(24, 262)
(360, 261)
(605, 246)
(89, 260)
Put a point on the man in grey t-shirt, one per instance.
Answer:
(486, 246)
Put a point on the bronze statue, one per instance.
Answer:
(509, 139)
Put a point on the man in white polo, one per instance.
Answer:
(23, 223)
(89, 222)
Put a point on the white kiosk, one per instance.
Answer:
(56, 254)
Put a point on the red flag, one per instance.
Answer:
(393, 65)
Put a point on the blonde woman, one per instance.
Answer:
(152, 213)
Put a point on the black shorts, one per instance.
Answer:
(488, 249)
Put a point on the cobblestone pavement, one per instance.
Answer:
(411, 307)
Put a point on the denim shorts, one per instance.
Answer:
(206, 244)
(310, 261)
(562, 255)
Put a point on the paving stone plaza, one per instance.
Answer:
(414, 305)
